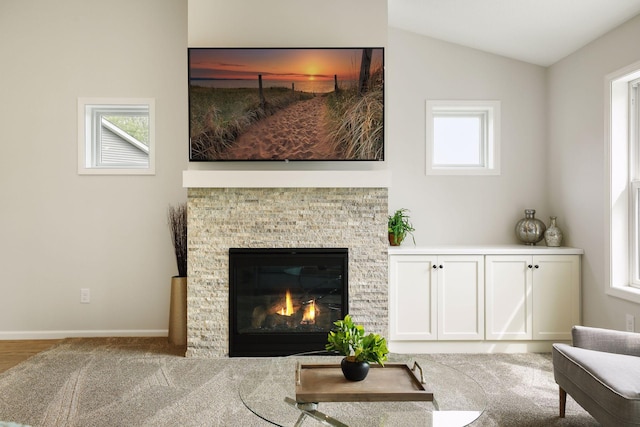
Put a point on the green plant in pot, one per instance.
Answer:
(399, 226)
(349, 340)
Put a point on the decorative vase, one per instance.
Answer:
(354, 371)
(553, 235)
(529, 229)
(395, 239)
(178, 311)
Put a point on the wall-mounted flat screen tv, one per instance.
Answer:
(286, 104)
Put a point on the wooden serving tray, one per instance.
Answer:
(326, 383)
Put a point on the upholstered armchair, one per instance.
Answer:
(601, 371)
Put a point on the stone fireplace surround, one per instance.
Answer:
(282, 209)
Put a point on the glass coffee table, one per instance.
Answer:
(268, 390)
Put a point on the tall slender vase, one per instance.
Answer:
(178, 311)
(553, 235)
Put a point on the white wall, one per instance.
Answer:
(576, 160)
(54, 52)
(288, 23)
(464, 210)
(445, 210)
(60, 231)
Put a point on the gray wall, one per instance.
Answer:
(464, 210)
(551, 146)
(576, 164)
(61, 231)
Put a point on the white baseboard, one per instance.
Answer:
(420, 347)
(52, 335)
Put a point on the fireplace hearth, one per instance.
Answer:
(284, 300)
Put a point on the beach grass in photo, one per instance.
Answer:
(220, 115)
(356, 121)
(286, 104)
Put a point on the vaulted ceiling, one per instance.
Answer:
(537, 31)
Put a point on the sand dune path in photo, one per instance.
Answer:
(292, 133)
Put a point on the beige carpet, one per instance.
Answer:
(142, 382)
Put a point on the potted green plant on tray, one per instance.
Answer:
(349, 340)
(399, 226)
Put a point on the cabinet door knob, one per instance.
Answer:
(435, 266)
(440, 266)
(530, 266)
(536, 266)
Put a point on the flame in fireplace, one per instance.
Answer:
(309, 315)
(288, 309)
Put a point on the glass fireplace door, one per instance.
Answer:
(284, 301)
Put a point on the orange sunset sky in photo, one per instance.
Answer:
(305, 64)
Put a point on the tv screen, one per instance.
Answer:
(286, 104)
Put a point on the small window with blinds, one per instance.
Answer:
(116, 136)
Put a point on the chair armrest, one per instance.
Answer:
(607, 340)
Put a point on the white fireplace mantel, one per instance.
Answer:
(286, 179)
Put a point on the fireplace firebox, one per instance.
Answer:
(284, 301)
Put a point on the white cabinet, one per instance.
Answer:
(413, 300)
(514, 298)
(436, 297)
(460, 297)
(556, 296)
(508, 297)
(532, 297)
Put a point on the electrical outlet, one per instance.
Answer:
(85, 296)
(631, 322)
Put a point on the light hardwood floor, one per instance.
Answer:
(13, 352)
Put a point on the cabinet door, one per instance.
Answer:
(460, 297)
(508, 297)
(412, 298)
(556, 296)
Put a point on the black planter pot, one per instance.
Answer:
(354, 371)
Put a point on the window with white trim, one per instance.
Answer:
(623, 166)
(463, 138)
(116, 136)
(634, 182)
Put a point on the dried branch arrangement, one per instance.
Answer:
(178, 226)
